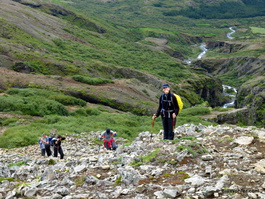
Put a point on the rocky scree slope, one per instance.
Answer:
(202, 162)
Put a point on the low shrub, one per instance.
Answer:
(8, 121)
(68, 100)
(17, 163)
(35, 106)
(35, 92)
(193, 111)
(92, 111)
(91, 80)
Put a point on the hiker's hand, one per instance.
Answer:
(174, 115)
(154, 117)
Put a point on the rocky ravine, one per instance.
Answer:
(202, 162)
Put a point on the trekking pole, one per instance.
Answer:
(173, 123)
(152, 129)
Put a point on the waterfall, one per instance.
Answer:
(204, 50)
(233, 96)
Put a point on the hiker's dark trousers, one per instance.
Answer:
(48, 149)
(168, 128)
(60, 150)
(42, 152)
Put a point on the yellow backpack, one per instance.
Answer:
(180, 103)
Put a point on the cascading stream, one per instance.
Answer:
(232, 95)
(226, 89)
(230, 33)
(204, 50)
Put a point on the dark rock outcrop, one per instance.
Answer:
(252, 94)
(224, 47)
(210, 89)
(249, 104)
(242, 66)
(23, 68)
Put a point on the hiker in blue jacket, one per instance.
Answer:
(109, 142)
(168, 109)
(46, 142)
(42, 146)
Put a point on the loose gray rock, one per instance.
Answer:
(146, 168)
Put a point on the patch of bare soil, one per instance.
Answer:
(2, 130)
(214, 114)
(161, 44)
(255, 46)
(166, 178)
(22, 119)
(22, 16)
(242, 30)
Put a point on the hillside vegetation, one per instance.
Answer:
(83, 65)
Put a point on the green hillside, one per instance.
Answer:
(87, 65)
(83, 46)
(175, 16)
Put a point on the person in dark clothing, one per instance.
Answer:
(168, 109)
(58, 147)
(109, 142)
(46, 142)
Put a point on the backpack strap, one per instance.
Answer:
(163, 111)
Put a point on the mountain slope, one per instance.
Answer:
(47, 39)
(171, 15)
(41, 43)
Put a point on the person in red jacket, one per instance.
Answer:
(109, 142)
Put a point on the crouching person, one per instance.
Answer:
(109, 142)
(58, 147)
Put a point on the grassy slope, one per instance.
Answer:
(211, 24)
(63, 48)
(79, 48)
(56, 47)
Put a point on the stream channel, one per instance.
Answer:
(227, 90)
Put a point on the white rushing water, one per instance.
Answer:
(230, 33)
(225, 87)
(204, 50)
(202, 54)
(233, 96)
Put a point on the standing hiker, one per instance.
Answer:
(58, 147)
(168, 109)
(109, 142)
(42, 146)
(46, 141)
